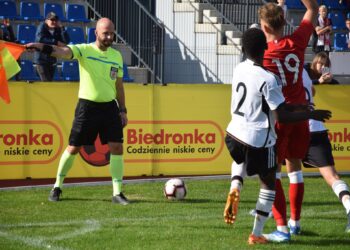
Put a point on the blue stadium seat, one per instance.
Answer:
(334, 5)
(70, 71)
(91, 37)
(76, 35)
(56, 8)
(294, 4)
(57, 75)
(76, 13)
(338, 20)
(126, 77)
(30, 11)
(8, 10)
(26, 33)
(28, 73)
(340, 43)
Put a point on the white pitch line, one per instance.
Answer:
(102, 183)
(37, 242)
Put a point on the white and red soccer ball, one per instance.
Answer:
(175, 189)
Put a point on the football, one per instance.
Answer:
(175, 189)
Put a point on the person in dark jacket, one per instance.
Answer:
(6, 31)
(50, 32)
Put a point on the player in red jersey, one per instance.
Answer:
(285, 57)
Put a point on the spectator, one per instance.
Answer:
(323, 30)
(50, 32)
(347, 23)
(7, 33)
(319, 70)
(283, 5)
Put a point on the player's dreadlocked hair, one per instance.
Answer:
(254, 43)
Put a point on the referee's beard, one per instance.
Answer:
(106, 42)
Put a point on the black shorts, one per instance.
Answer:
(261, 161)
(320, 151)
(93, 118)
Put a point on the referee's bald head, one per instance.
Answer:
(254, 43)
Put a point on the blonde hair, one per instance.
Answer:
(273, 15)
(322, 7)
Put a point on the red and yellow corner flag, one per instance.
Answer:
(9, 53)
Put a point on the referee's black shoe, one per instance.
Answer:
(121, 199)
(55, 194)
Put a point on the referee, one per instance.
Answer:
(97, 112)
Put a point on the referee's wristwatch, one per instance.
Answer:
(123, 110)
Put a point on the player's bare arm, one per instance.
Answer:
(311, 10)
(52, 50)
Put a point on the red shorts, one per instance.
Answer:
(292, 140)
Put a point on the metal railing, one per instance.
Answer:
(241, 13)
(138, 29)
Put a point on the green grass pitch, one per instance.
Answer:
(86, 218)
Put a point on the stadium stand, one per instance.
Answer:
(76, 13)
(26, 33)
(334, 5)
(126, 76)
(56, 8)
(28, 72)
(8, 10)
(294, 4)
(91, 37)
(30, 11)
(340, 43)
(338, 20)
(57, 74)
(70, 71)
(76, 35)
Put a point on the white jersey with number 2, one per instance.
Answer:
(255, 92)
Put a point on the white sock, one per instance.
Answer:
(278, 175)
(264, 204)
(294, 223)
(236, 184)
(296, 177)
(283, 229)
(339, 187)
(237, 170)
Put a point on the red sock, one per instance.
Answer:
(296, 195)
(279, 208)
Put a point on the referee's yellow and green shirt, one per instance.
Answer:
(98, 70)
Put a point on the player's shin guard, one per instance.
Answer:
(263, 208)
(279, 208)
(116, 169)
(296, 194)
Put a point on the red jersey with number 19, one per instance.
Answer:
(285, 58)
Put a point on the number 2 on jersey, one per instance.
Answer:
(287, 63)
(241, 101)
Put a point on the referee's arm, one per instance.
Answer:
(121, 100)
(57, 51)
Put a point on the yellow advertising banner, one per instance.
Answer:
(176, 129)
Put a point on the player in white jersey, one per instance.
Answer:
(320, 154)
(257, 100)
